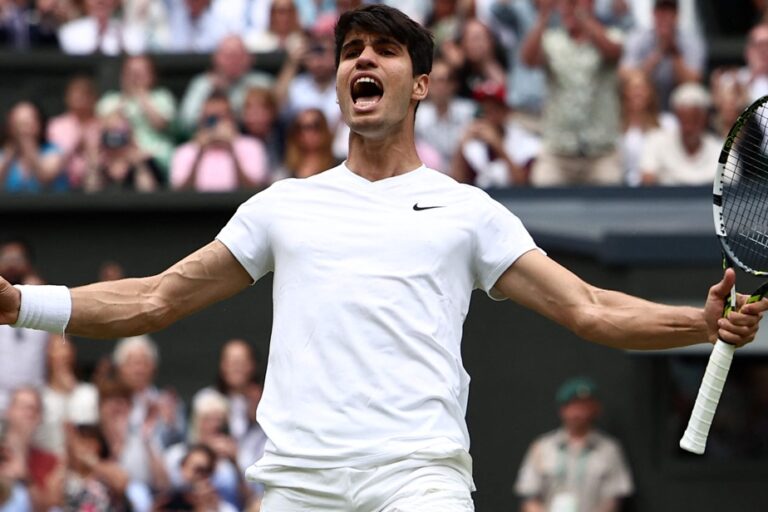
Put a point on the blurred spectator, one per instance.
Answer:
(477, 57)
(259, 119)
(24, 26)
(688, 155)
(576, 467)
(150, 17)
(76, 129)
(315, 87)
(581, 115)
(194, 489)
(110, 271)
(117, 163)
(443, 117)
(249, 16)
(444, 20)
(22, 351)
(149, 109)
(754, 76)
(41, 470)
(194, 26)
(282, 33)
(729, 97)
(640, 116)
(308, 148)
(237, 367)
(666, 54)
(29, 162)
(62, 390)
(230, 74)
(155, 420)
(208, 426)
(219, 159)
(495, 150)
(100, 30)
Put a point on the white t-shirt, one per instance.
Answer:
(372, 282)
(666, 158)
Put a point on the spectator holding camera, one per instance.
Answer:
(219, 159)
(117, 163)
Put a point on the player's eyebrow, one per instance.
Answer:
(358, 41)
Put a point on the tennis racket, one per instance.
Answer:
(740, 207)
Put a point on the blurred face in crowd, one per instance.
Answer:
(231, 58)
(259, 113)
(637, 92)
(211, 421)
(571, 10)
(60, 353)
(693, 123)
(196, 8)
(138, 74)
(25, 410)
(215, 111)
(14, 263)
(319, 59)
(757, 50)
(579, 414)
(236, 365)
(476, 41)
(442, 85)
(24, 121)
(197, 466)
(343, 6)
(116, 133)
(137, 369)
(443, 8)
(665, 21)
(80, 98)
(113, 415)
(282, 17)
(100, 9)
(311, 130)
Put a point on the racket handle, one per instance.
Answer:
(694, 439)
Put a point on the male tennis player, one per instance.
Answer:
(374, 262)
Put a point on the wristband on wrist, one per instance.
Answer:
(44, 307)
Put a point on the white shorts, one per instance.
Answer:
(409, 485)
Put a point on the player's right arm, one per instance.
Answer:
(116, 309)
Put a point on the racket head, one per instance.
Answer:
(740, 191)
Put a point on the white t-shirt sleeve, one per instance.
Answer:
(246, 235)
(500, 238)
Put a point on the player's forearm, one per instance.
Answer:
(623, 321)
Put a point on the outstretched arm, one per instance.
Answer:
(620, 320)
(128, 307)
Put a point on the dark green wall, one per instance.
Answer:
(516, 359)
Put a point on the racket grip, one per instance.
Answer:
(694, 439)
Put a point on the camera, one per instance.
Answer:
(115, 138)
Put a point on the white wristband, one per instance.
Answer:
(44, 307)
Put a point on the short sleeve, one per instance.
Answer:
(530, 479)
(618, 482)
(500, 239)
(247, 237)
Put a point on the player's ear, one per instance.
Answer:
(420, 87)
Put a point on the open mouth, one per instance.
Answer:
(366, 91)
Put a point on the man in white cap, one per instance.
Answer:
(687, 156)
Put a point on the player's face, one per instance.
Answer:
(375, 84)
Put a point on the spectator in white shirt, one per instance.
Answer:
(100, 31)
(195, 27)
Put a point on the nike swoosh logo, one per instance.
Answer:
(420, 208)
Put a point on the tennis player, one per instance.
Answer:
(374, 262)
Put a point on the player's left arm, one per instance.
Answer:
(620, 320)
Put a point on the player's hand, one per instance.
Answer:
(10, 301)
(741, 324)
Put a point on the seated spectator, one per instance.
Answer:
(581, 114)
(259, 119)
(315, 87)
(25, 462)
(309, 146)
(495, 150)
(117, 163)
(100, 31)
(150, 109)
(443, 117)
(219, 159)
(754, 76)
(194, 26)
(29, 162)
(640, 116)
(150, 18)
(477, 57)
(208, 426)
(283, 29)
(230, 73)
(688, 155)
(444, 20)
(729, 97)
(24, 26)
(76, 129)
(194, 490)
(62, 387)
(665, 53)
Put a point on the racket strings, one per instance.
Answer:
(745, 192)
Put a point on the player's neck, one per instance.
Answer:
(379, 158)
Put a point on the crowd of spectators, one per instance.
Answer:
(523, 93)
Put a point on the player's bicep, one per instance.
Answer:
(539, 283)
